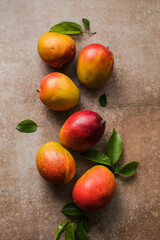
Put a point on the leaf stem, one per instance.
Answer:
(90, 33)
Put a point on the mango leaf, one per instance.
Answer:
(71, 209)
(60, 229)
(129, 169)
(117, 168)
(103, 100)
(96, 156)
(69, 232)
(86, 23)
(66, 28)
(27, 126)
(114, 147)
(86, 223)
(80, 231)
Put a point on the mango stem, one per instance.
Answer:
(38, 90)
(103, 122)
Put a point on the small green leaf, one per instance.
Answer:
(103, 100)
(114, 147)
(117, 168)
(66, 28)
(69, 232)
(80, 231)
(71, 209)
(129, 169)
(60, 229)
(96, 156)
(86, 23)
(86, 223)
(27, 126)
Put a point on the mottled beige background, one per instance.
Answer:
(29, 206)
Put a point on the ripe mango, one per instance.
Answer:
(82, 130)
(58, 92)
(95, 65)
(55, 164)
(56, 49)
(95, 189)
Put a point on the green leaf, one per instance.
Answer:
(103, 100)
(60, 229)
(96, 156)
(117, 168)
(129, 169)
(69, 232)
(27, 126)
(71, 209)
(66, 28)
(80, 231)
(86, 223)
(86, 23)
(114, 147)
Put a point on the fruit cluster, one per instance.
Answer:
(83, 129)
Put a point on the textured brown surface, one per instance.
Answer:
(29, 206)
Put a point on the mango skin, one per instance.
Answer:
(56, 49)
(58, 92)
(82, 130)
(95, 65)
(55, 164)
(95, 189)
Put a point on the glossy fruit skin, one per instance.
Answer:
(58, 92)
(56, 49)
(82, 130)
(95, 65)
(95, 189)
(55, 164)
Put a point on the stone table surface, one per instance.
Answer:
(29, 206)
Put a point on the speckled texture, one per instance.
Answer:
(29, 206)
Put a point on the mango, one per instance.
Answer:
(82, 130)
(95, 189)
(95, 65)
(58, 92)
(56, 49)
(55, 164)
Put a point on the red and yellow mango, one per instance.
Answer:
(55, 164)
(95, 189)
(82, 130)
(95, 65)
(58, 92)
